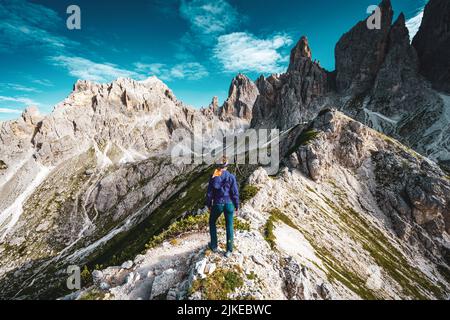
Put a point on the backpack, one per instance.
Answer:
(223, 187)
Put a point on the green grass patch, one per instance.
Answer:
(269, 236)
(278, 215)
(218, 285)
(336, 271)
(275, 216)
(306, 137)
(86, 277)
(248, 192)
(191, 224)
(252, 276)
(93, 295)
(188, 224)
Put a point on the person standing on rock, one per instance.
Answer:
(222, 197)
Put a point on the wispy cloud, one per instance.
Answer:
(43, 82)
(26, 24)
(17, 87)
(20, 100)
(188, 71)
(15, 105)
(86, 69)
(208, 19)
(8, 110)
(244, 52)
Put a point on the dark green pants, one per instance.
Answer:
(217, 210)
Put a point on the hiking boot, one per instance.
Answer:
(212, 249)
(228, 254)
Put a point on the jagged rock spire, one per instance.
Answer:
(241, 97)
(361, 51)
(432, 43)
(300, 52)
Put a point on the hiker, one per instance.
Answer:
(222, 197)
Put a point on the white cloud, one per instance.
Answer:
(8, 110)
(44, 82)
(15, 105)
(413, 24)
(21, 100)
(188, 71)
(243, 52)
(209, 19)
(152, 68)
(86, 69)
(17, 87)
(31, 25)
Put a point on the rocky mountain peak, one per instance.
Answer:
(287, 99)
(299, 52)
(31, 115)
(361, 51)
(214, 105)
(432, 43)
(241, 97)
(399, 31)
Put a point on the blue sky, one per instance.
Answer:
(195, 46)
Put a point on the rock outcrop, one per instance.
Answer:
(241, 97)
(360, 53)
(397, 88)
(432, 43)
(390, 95)
(287, 99)
(404, 193)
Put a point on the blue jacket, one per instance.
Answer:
(222, 190)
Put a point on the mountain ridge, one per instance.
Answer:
(353, 212)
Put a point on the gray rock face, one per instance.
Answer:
(360, 53)
(298, 286)
(293, 97)
(398, 89)
(410, 189)
(432, 43)
(387, 92)
(299, 54)
(241, 97)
